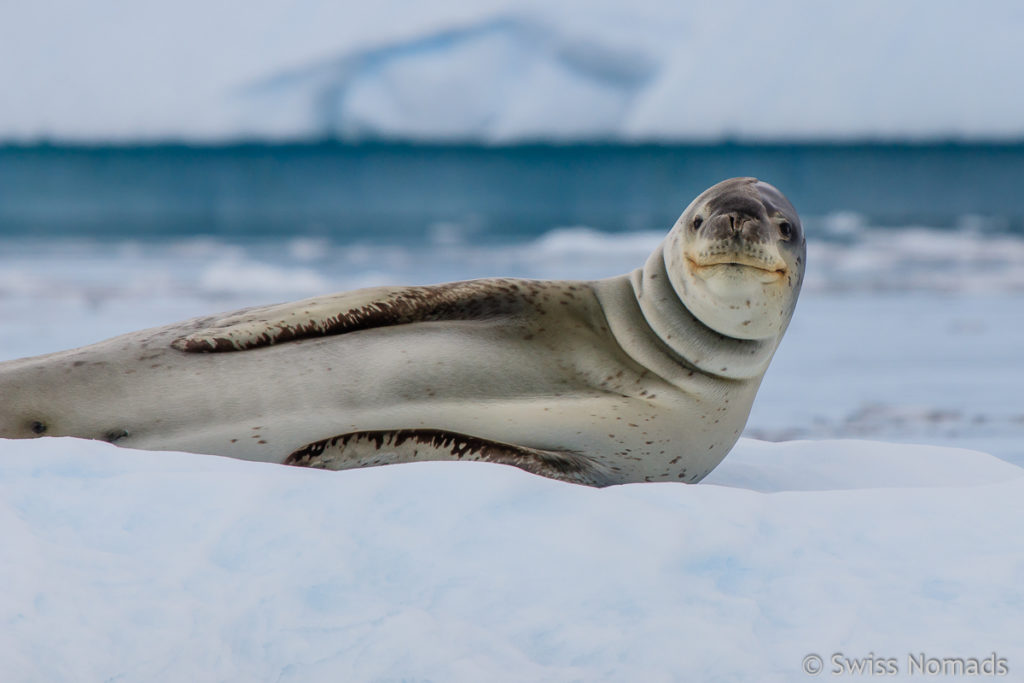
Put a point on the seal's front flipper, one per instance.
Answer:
(366, 449)
(359, 310)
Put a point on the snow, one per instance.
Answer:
(849, 257)
(132, 565)
(510, 70)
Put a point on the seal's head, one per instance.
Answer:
(736, 258)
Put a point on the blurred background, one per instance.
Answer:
(160, 161)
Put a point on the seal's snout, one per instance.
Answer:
(734, 230)
(737, 226)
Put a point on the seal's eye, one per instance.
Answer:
(38, 427)
(786, 230)
(697, 222)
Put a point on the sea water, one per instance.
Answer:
(909, 327)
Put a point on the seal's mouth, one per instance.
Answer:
(737, 262)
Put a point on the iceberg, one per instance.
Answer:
(497, 72)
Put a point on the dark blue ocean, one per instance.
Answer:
(402, 193)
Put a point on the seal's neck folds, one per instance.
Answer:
(695, 342)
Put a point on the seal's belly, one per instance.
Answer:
(560, 389)
(422, 375)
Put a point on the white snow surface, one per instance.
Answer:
(141, 566)
(134, 565)
(510, 70)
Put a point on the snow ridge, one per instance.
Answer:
(496, 71)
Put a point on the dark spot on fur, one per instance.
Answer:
(115, 435)
(38, 427)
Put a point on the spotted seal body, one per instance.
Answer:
(644, 377)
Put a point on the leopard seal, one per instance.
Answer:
(648, 376)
